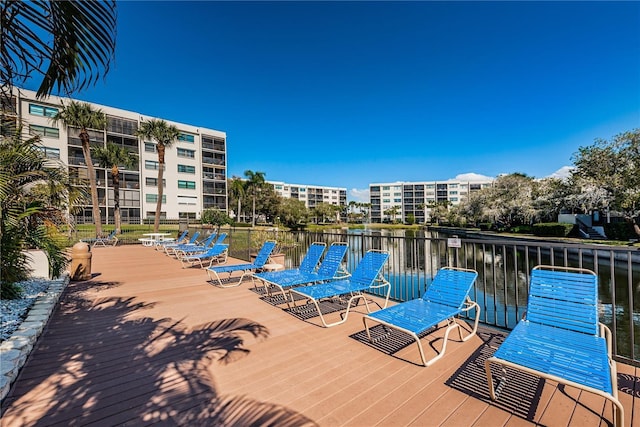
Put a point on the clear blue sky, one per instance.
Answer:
(350, 93)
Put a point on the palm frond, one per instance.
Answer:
(70, 43)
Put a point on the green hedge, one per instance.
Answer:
(620, 231)
(521, 229)
(552, 229)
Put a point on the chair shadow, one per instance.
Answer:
(521, 392)
(629, 384)
(390, 341)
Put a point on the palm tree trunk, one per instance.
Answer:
(253, 217)
(115, 175)
(86, 151)
(238, 212)
(156, 222)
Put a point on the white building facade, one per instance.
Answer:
(397, 200)
(311, 195)
(195, 176)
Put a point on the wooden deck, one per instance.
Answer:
(146, 342)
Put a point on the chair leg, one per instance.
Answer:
(238, 283)
(471, 306)
(216, 278)
(346, 314)
(487, 368)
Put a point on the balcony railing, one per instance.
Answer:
(503, 268)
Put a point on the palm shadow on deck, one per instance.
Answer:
(102, 360)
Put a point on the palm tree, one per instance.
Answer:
(393, 212)
(25, 217)
(113, 156)
(70, 43)
(352, 207)
(83, 116)
(255, 180)
(236, 188)
(164, 134)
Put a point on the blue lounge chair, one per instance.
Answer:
(169, 249)
(308, 264)
(170, 241)
(561, 338)
(261, 259)
(367, 276)
(184, 250)
(446, 298)
(217, 252)
(330, 268)
(111, 239)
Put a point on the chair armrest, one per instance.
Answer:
(382, 282)
(605, 332)
(469, 304)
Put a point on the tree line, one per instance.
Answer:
(252, 200)
(605, 177)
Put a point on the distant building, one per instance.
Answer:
(311, 195)
(196, 165)
(414, 198)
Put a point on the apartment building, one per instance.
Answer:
(398, 200)
(311, 195)
(195, 176)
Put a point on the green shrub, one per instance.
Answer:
(552, 229)
(521, 229)
(620, 231)
(485, 226)
(240, 224)
(10, 291)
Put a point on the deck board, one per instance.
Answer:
(146, 342)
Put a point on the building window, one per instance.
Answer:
(186, 169)
(44, 131)
(188, 200)
(189, 154)
(453, 199)
(185, 137)
(41, 110)
(152, 215)
(190, 185)
(121, 125)
(386, 187)
(50, 153)
(153, 198)
(150, 147)
(397, 200)
(453, 193)
(151, 164)
(187, 215)
(153, 182)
